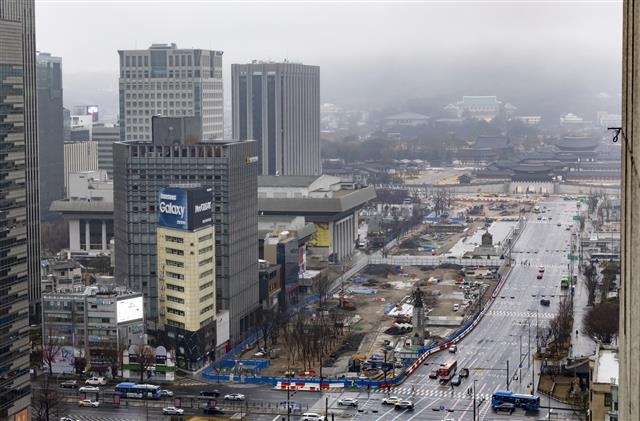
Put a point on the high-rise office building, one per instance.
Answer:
(168, 81)
(23, 11)
(50, 132)
(105, 137)
(175, 156)
(186, 274)
(278, 105)
(19, 217)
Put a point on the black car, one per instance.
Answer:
(213, 410)
(545, 302)
(210, 393)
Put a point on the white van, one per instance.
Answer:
(312, 416)
(456, 307)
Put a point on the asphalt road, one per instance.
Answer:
(506, 333)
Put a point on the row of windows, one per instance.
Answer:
(161, 86)
(159, 104)
(206, 285)
(170, 95)
(205, 250)
(173, 287)
(206, 297)
(175, 263)
(205, 237)
(175, 299)
(175, 311)
(174, 275)
(206, 309)
(172, 239)
(176, 324)
(206, 273)
(205, 261)
(206, 321)
(177, 252)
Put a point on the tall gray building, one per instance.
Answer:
(278, 105)
(105, 137)
(176, 157)
(50, 132)
(18, 204)
(168, 81)
(23, 11)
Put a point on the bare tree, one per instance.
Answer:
(560, 326)
(322, 289)
(145, 356)
(591, 280)
(52, 346)
(601, 322)
(46, 401)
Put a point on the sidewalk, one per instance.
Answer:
(582, 345)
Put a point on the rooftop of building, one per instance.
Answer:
(408, 116)
(607, 366)
(287, 180)
(470, 100)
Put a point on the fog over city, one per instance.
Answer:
(559, 55)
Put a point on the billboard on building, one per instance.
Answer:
(320, 238)
(185, 208)
(222, 327)
(62, 362)
(93, 111)
(129, 309)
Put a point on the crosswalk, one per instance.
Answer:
(429, 392)
(519, 314)
(107, 418)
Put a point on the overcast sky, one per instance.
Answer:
(357, 44)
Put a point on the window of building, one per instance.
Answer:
(207, 308)
(205, 261)
(173, 287)
(174, 263)
(205, 250)
(174, 275)
(172, 239)
(206, 285)
(206, 297)
(175, 311)
(206, 273)
(176, 324)
(175, 299)
(607, 400)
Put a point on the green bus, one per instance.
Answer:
(564, 281)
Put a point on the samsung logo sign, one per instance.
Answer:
(165, 196)
(203, 207)
(171, 209)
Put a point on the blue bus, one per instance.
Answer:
(140, 391)
(507, 400)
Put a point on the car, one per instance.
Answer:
(453, 349)
(541, 269)
(67, 419)
(456, 380)
(70, 384)
(210, 393)
(85, 389)
(567, 229)
(405, 404)
(172, 410)
(95, 381)
(213, 410)
(348, 402)
(559, 224)
(312, 416)
(505, 406)
(433, 374)
(234, 397)
(464, 372)
(165, 392)
(545, 302)
(390, 400)
(89, 402)
(456, 307)
(539, 276)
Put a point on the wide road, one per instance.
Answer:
(507, 333)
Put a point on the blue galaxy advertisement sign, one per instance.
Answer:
(185, 208)
(172, 207)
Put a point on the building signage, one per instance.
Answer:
(185, 208)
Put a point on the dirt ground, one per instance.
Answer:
(370, 324)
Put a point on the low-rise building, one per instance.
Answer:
(603, 401)
(87, 329)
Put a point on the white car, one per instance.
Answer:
(89, 402)
(67, 419)
(348, 402)
(391, 400)
(85, 389)
(165, 392)
(172, 410)
(96, 381)
(234, 397)
(312, 416)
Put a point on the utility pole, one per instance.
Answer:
(507, 374)
(474, 399)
